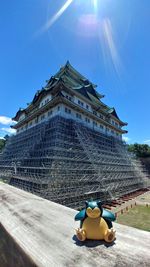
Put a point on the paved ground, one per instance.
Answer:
(45, 232)
(143, 199)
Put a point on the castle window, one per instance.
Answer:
(42, 117)
(80, 103)
(58, 108)
(87, 107)
(47, 100)
(101, 116)
(94, 123)
(101, 126)
(79, 116)
(67, 110)
(50, 113)
(95, 113)
(87, 120)
(68, 97)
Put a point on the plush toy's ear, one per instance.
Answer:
(86, 203)
(108, 215)
(99, 203)
(80, 215)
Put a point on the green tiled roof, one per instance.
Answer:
(72, 79)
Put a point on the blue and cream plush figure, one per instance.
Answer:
(96, 223)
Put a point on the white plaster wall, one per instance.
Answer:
(33, 123)
(66, 94)
(83, 120)
(99, 115)
(60, 110)
(48, 97)
(84, 103)
(22, 116)
(115, 123)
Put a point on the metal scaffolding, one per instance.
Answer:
(66, 162)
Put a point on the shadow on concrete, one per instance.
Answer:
(11, 254)
(92, 243)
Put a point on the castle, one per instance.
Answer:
(68, 145)
(72, 96)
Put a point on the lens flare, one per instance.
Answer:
(87, 25)
(98, 24)
(95, 4)
(93, 23)
(52, 20)
(111, 44)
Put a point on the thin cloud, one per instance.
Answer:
(147, 141)
(6, 120)
(8, 130)
(1, 137)
(126, 139)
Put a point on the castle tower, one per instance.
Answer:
(68, 145)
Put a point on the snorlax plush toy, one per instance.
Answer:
(96, 223)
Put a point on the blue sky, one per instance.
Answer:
(106, 40)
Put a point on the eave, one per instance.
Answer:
(18, 114)
(37, 112)
(73, 92)
(68, 68)
(115, 117)
(74, 106)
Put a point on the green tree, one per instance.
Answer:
(141, 150)
(2, 144)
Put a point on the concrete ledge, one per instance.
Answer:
(41, 233)
(11, 253)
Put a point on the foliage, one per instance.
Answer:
(3, 142)
(141, 150)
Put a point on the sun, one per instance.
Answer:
(95, 4)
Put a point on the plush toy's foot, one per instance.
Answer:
(81, 235)
(110, 235)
